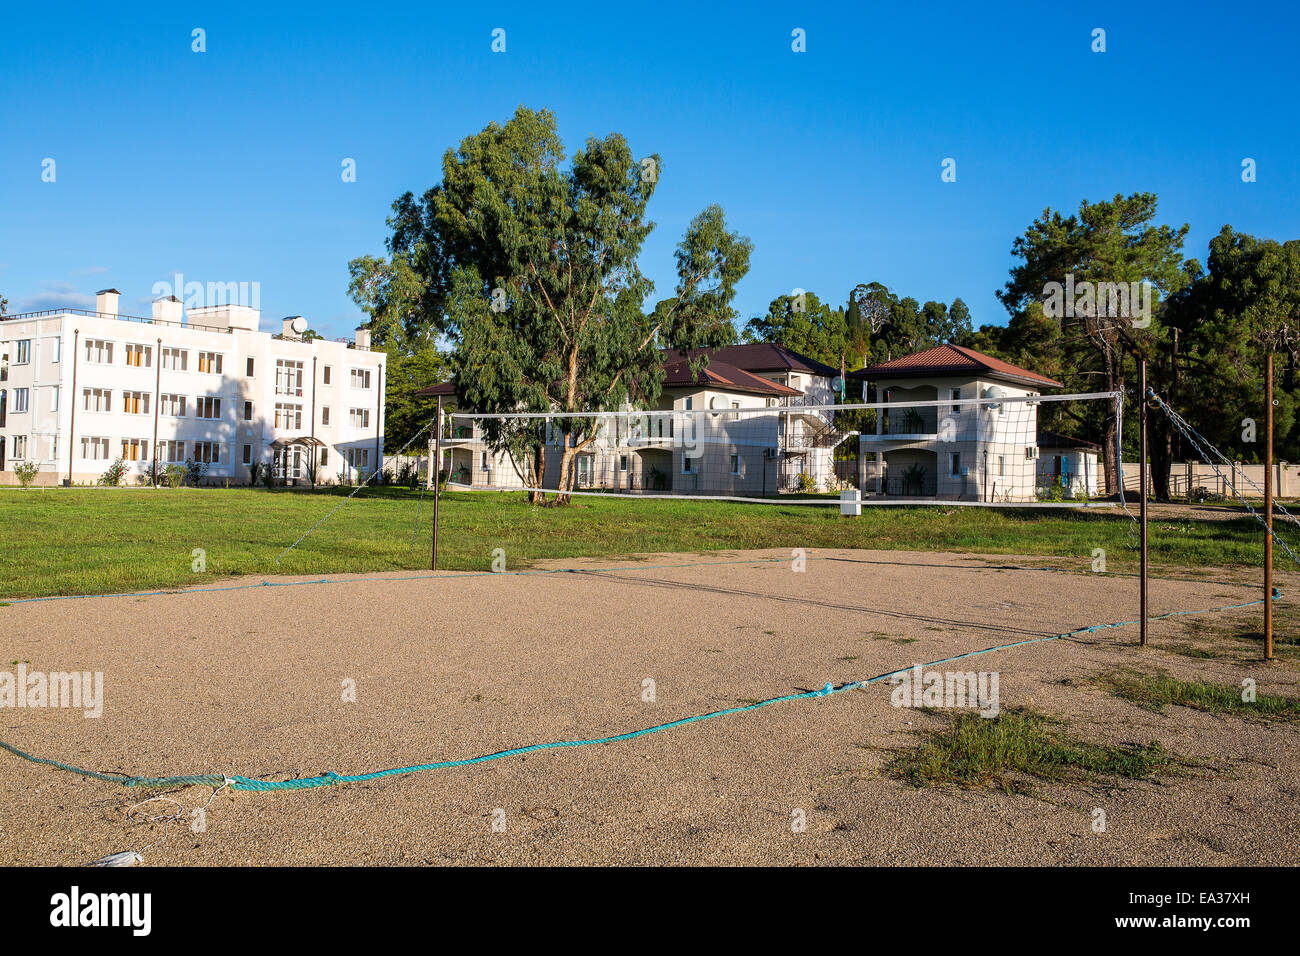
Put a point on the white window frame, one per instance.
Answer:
(144, 351)
(99, 351)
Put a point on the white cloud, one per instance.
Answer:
(54, 295)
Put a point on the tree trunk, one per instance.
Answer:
(565, 483)
(536, 496)
(1114, 475)
(1161, 432)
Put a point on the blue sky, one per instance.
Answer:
(225, 165)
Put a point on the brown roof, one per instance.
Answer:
(952, 360)
(442, 388)
(758, 357)
(1049, 439)
(722, 376)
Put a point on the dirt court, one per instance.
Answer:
(251, 682)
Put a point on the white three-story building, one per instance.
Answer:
(80, 389)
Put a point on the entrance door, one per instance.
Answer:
(582, 479)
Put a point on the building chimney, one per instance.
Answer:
(167, 309)
(106, 301)
(363, 338)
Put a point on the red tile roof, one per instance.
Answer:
(758, 357)
(952, 360)
(720, 375)
(677, 374)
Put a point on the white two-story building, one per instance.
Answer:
(954, 448)
(81, 389)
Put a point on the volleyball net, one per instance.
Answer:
(998, 448)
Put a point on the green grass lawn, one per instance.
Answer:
(86, 541)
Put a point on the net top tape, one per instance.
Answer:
(768, 410)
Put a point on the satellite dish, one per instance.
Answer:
(993, 391)
(299, 325)
(837, 383)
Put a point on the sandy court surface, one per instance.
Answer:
(250, 682)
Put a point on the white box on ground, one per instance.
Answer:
(851, 502)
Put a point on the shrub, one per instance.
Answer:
(253, 471)
(175, 475)
(268, 477)
(195, 470)
(112, 476)
(1053, 492)
(914, 477)
(805, 482)
(26, 472)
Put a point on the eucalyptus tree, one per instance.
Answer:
(527, 265)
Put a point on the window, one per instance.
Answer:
(325, 415)
(94, 449)
(96, 400)
(210, 362)
(248, 411)
(359, 418)
(20, 446)
(956, 463)
(735, 416)
(360, 378)
(56, 355)
(171, 451)
(139, 356)
(324, 456)
(622, 462)
(1031, 451)
(175, 360)
(288, 377)
(956, 394)
(1002, 466)
(326, 379)
(482, 460)
(23, 356)
(54, 398)
(207, 407)
(207, 452)
(248, 367)
(21, 398)
(288, 416)
(735, 464)
(690, 403)
(135, 449)
(135, 403)
(172, 406)
(99, 352)
(690, 466)
(360, 457)
(248, 449)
